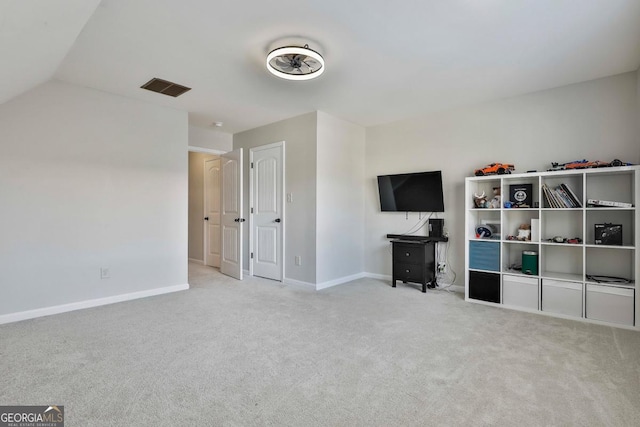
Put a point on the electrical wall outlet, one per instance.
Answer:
(105, 273)
(298, 259)
(441, 267)
(289, 197)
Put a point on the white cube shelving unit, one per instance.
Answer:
(569, 278)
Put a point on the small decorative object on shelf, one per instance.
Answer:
(560, 239)
(495, 202)
(520, 195)
(608, 234)
(480, 201)
(530, 262)
(483, 232)
(593, 203)
(495, 169)
(585, 164)
(524, 232)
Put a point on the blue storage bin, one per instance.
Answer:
(484, 255)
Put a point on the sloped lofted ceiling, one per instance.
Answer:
(35, 36)
(386, 61)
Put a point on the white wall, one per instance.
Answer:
(340, 199)
(299, 134)
(89, 180)
(596, 120)
(211, 139)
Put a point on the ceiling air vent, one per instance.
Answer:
(165, 87)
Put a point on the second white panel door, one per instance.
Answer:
(267, 219)
(212, 212)
(231, 214)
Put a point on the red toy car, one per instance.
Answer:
(495, 168)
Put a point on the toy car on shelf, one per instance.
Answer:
(618, 162)
(585, 164)
(495, 168)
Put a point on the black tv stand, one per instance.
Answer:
(414, 259)
(419, 238)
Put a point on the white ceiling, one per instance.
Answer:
(385, 60)
(35, 35)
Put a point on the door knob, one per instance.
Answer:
(241, 220)
(278, 220)
(236, 220)
(206, 218)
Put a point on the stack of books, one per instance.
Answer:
(560, 197)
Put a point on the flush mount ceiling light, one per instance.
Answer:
(295, 63)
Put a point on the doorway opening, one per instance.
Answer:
(204, 207)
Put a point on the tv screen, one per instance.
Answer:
(411, 192)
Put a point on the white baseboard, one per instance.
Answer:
(294, 282)
(339, 281)
(57, 309)
(453, 288)
(197, 261)
(378, 276)
(346, 279)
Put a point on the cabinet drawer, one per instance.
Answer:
(484, 286)
(409, 272)
(562, 297)
(484, 256)
(610, 304)
(408, 253)
(518, 291)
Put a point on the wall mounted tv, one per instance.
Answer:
(411, 192)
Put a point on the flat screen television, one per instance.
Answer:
(411, 192)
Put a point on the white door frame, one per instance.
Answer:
(204, 150)
(282, 203)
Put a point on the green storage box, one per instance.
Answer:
(530, 262)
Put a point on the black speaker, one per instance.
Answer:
(435, 227)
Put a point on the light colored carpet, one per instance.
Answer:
(257, 352)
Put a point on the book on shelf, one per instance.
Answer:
(607, 203)
(547, 196)
(556, 199)
(566, 202)
(560, 197)
(571, 195)
(551, 197)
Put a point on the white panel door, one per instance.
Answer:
(231, 212)
(267, 219)
(212, 212)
